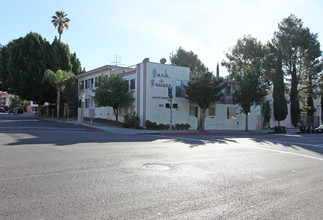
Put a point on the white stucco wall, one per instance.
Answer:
(221, 122)
(158, 78)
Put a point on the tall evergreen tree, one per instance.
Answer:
(249, 91)
(295, 110)
(204, 89)
(280, 103)
(246, 53)
(188, 59)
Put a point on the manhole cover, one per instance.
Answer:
(155, 166)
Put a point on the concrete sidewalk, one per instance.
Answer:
(129, 131)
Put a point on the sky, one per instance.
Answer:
(101, 30)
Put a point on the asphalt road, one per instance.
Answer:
(58, 171)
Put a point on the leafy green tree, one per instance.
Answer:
(58, 80)
(22, 69)
(249, 92)
(61, 56)
(113, 91)
(60, 21)
(301, 48)
(294, 101)
(188, 59)
(246, 53)
(205, 88)
(4, 56)
(24, 61)
(280, 103)
(76, 64)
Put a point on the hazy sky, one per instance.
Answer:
(136, 29)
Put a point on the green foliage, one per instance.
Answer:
(188, 59)
(185, 126)
(204, 89)
(61, 57)
(28, 58)
(60, 21)
(280, 103)
(249, 92)
(301, 48)
(113, 91)
(245, 54)
(266, 112)
(295, 110)
(131, 120)
(58, 80)
(154, 126)
(24, 61)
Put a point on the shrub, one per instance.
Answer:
(149, 125)
(131, 120)
(182, 126)
(154, 126)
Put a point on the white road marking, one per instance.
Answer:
(259, 148)
(298, 143)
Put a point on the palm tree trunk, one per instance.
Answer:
(58, 103)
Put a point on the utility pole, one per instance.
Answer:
(170, 98)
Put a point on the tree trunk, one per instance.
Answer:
(58, 103)
(116, 114)
(202, 127)
(246, 121)
(39, 110)
(65, 110)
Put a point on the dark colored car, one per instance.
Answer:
(2, 109)
(16, 111)
(6, 108)
(319, 129)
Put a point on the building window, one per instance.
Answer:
(81, 85)
(92, 85)
(194, 111)
(231, 113)
(180, 90)
(132, 84)
(211, 111)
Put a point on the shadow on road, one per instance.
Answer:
(30, 131)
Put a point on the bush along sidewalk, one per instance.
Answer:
(154, 126)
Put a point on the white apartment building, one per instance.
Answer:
(149, 82)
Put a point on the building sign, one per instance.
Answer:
(158, 79)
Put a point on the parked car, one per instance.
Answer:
(16, 111)
(6, 108)
(319, 129)
(2, 109)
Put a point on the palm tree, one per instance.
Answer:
(61, 21)
(58, 80)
